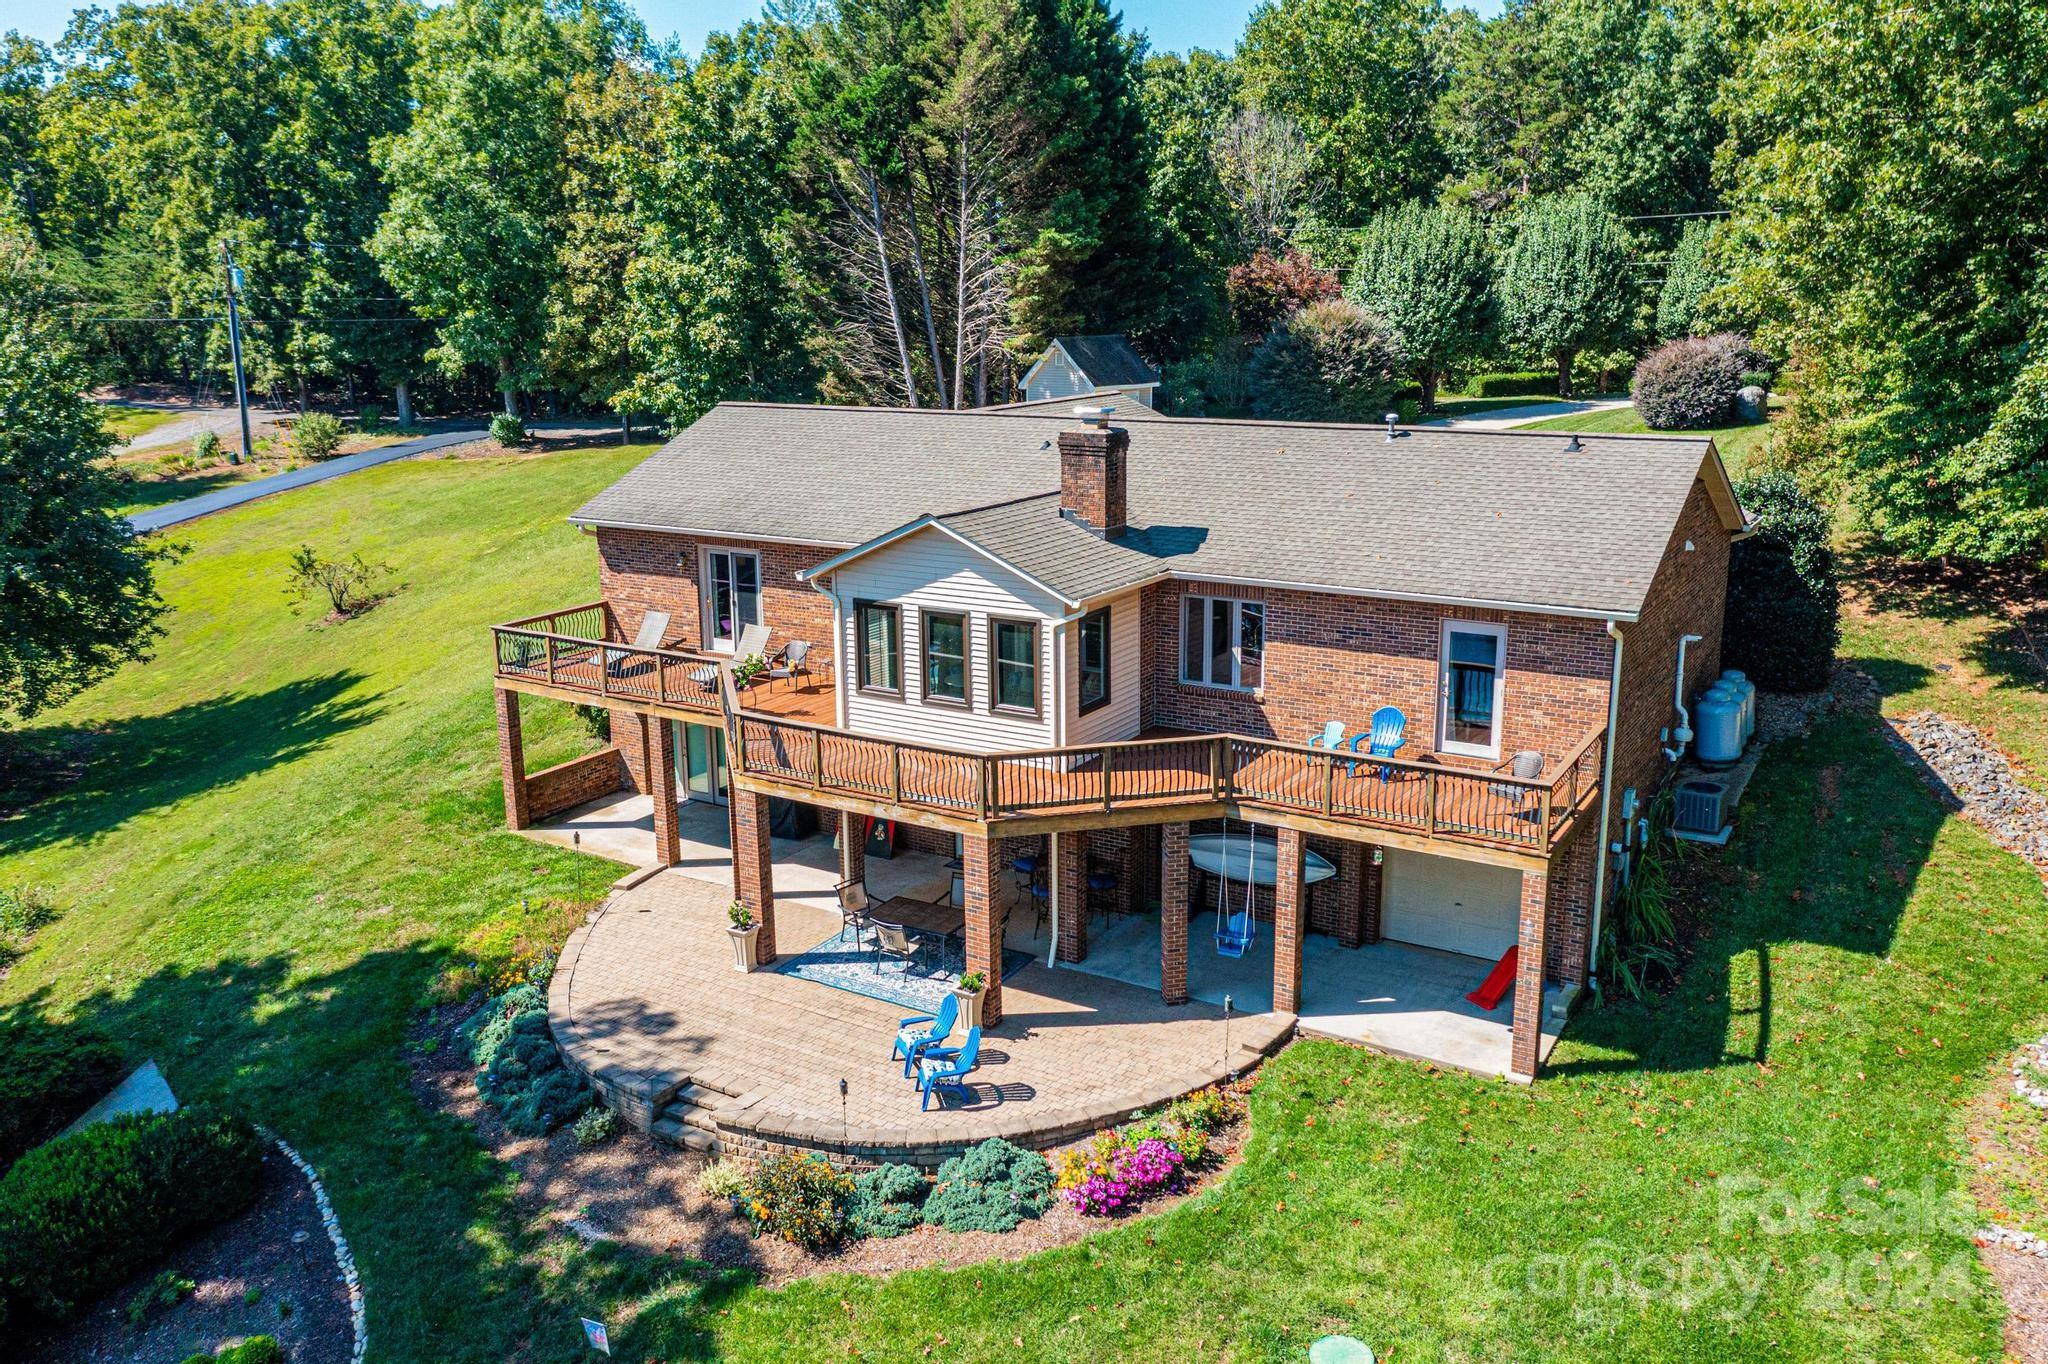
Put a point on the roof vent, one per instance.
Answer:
(1094, 416)
(1391, 418)
(1572, 446)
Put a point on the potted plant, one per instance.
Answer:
(744, 933)
(969, 992)
(748, 670)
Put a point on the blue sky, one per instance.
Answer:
(1174, 25)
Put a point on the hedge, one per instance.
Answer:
(50, 1075)
(82, 1214)
(1784, 600)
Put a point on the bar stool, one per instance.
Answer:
(1101, 882)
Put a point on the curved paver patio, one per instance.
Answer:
(646, 1000)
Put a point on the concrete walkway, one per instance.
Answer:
(1502, 418)
(175, 513)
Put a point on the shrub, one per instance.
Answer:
(167, 1289)
(86, 1212)
(596, 1127)
(1517, 384)
(888, 1201)
(1689, 383)
(49, 1076)
(206, 449)
(369, 419)
(1784, 600)
(1267, 290)
(508, 430)
(317, 435)
(528, 1084)
(1330, 362)
(722, 1178)
(992, 1187)
(24, 910)
(1205, 1110)
(254, 1350)
(800, 1198)
(349, 585)
(486, 1031)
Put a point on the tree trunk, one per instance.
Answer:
(1564, 372)
(1426, 376)
(403, 392)
(625, 426)
(960, 280)
(924, 294)
(505, 386)
(305, 395)
(889, 287)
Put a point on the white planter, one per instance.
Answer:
(744, 948)
(970, 1007)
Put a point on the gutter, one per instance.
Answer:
(1606, 805)
(840, 690)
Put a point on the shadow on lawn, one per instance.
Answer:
(2014, 653)
(138, 764)
(1829, 844)
(145, 494)
(455, 1268)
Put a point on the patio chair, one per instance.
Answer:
(1332, 736)
(947, 1068)
(1527, 764)
(791, 663)
(893, 940)
(753, 640)
(919, 1031)
(1383, 740)
(854, 905)
(653, 630)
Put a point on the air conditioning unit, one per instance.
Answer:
(1700, 811)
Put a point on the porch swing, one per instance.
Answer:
(1235, 933)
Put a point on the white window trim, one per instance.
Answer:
(1499, 631)
(1237, 605)
(711, 640)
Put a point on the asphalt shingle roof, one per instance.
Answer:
(1108, 360)
(1504, 518)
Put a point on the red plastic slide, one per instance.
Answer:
(1495, 987)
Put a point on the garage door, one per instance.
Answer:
(1457, 906)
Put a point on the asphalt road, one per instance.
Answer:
(175, 513)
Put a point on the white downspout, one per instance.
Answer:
(840, 671)
(1681, 736)
(1606, 803)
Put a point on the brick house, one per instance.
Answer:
(1103, 641)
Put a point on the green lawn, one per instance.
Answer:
(129, 422)
(285, 827)
(1738, 444)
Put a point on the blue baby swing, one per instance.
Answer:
(1235, 931)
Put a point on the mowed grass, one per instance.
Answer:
(283, 827)
(129, 422)
(1739, 445)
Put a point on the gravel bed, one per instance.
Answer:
(1979, 781)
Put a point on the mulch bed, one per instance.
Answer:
(299, 1297)
(643, 1193)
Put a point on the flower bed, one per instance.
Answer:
(1149, 1156)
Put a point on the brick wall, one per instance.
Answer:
(567, 785)
(1568, 909)
(1331, 657)
(641, 571)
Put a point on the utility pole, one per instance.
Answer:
(233, 273)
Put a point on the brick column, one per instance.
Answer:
(981, 874)
(1373, 880)
(512, 760)
(1288, 895)
(661, 786)
(853, 846)
(1353, 860)
(1173, 913)
(753, 866)
(1529, 975)
(1072, 869)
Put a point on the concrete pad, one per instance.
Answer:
(144, 1091)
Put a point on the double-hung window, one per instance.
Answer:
(1013, 665)
(1473, 661)
(1093, 637)
(733, 595)
(878, 640)
(1223, 642)
(945, 657)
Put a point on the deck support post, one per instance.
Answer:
(1528, 1025)
(659, 735)
(1290, 892)
(1173, 913)
(1354, 861)
(980, 876)
(512, 760)
(853, 846)
(1070, 865)
(753, 867)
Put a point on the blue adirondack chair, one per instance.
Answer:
(1235, 933)
(919, 1031)
(1331, 738)
(1383, 740)
(947, 1068)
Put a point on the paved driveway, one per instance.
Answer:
(174, 513)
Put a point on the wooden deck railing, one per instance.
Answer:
(579, 649)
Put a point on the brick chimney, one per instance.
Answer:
(1092, 472)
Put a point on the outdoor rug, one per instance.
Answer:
(838, 963)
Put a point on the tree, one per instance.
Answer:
(1267, 174)
(1888, 171)
(1187, 102)
(1267, 289)
(1564, 281)
(1688, 276)
(1429, 273)
(1358, 78)
(473, 234)
(1332, 361)
(80, 596)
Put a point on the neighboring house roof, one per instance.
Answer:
(1492, 518)
(1107, 361)
(1122, 406)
